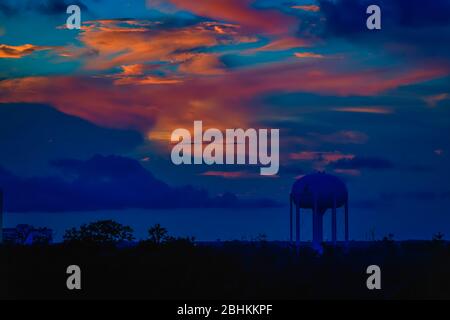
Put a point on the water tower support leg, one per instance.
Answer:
(333, 224)
(297, 226)
(316, 237)
(320, 215)
(290, 218)
(346, 222)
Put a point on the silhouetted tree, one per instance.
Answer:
(438, 241)
(438, 237)
(42, 236)
(100, 232)
(389, 239)
(23, 230)
(158, 234)
(372, 234)
(389, 244)
(262, 237)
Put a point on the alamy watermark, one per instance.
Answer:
(74, 280)
(374, 280)
(74, 20)
(249, 146)
(374, 20)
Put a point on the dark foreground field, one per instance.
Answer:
(233, 270)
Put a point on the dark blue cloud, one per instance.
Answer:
(106, 182)
(363, 163)
(55, 6)
(292, 169)
(49, 7)
(413, 27)
(33, 134)
(421, 195)
(7, 9)
(346, 17)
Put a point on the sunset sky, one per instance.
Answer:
(372, 107)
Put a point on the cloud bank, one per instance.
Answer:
(107, 183)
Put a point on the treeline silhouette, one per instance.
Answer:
(165, 267)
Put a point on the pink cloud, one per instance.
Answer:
(341, 137)
(375, 110)
(326, 157)
(229, 174)
(240, 12)
(348, 172)
(320, 160)
(284, 43)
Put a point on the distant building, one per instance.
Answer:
(24, 234)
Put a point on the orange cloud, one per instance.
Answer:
(310, 8)
(133, 69)
(93, 99)
(119, 43)
(16, 52)
(161, 104)
(203, 64)
(308, 55)
(152, 107)
(432, 101)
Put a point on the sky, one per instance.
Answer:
(86, 115)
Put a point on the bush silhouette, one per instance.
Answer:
(100, 232)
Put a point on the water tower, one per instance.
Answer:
(318, 192)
